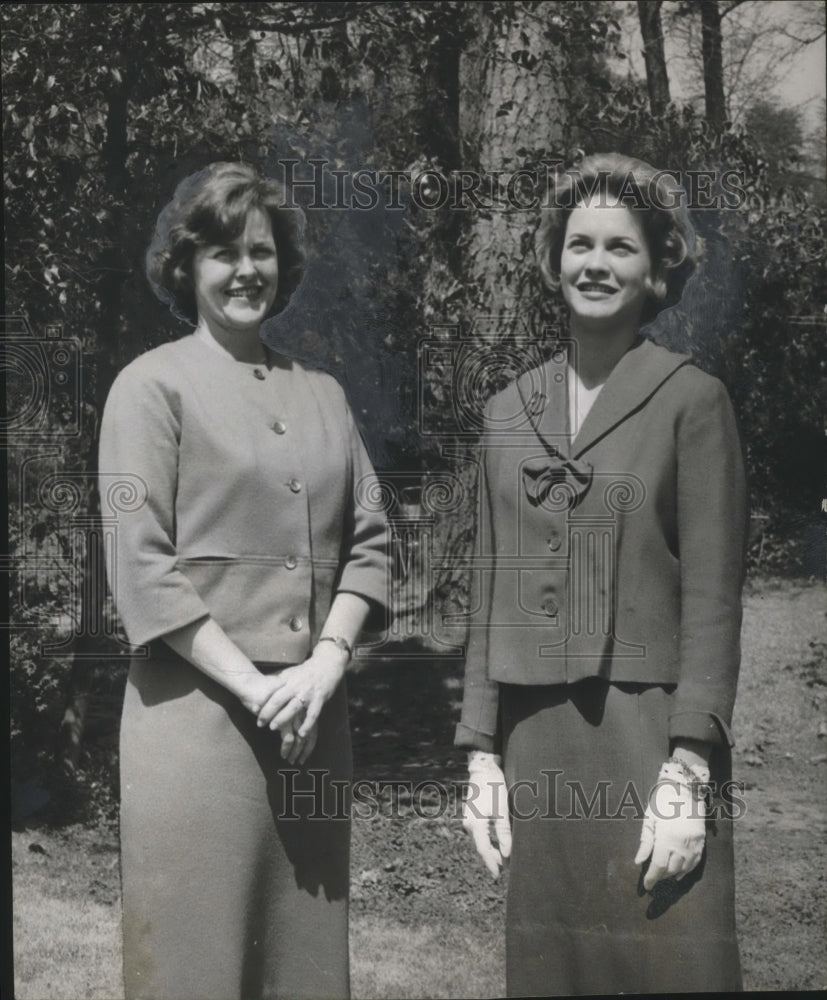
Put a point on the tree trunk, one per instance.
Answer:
(521, 110)
(657, 79)
(715, 104)
(512, 111)
(441, 144)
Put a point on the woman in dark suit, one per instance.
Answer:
(604, 640)
(244, 568)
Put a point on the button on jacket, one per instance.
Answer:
(230, 490)
(618, 556)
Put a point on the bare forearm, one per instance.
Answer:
(301, 691)
(346, 617)
(207, 646)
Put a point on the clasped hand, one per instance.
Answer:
(674, 827)
(292, 700)
(486, 806)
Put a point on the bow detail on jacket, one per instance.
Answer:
(556, 482)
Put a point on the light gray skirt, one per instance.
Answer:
(235, 883)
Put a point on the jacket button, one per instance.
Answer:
(259, 374)
(279, 427)
(550, 607)
(295, 485)
(291, 562)
(296, 624)
(554, 541)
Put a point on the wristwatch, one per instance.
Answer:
(337, 640)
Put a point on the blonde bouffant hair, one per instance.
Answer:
(655, 194)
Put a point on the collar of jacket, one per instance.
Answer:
(635, 378)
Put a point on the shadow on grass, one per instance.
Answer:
(403, 712)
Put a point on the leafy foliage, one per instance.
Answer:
(103, 115)
(752, 315)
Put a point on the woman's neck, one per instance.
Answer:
(241, 345)
(597, 351)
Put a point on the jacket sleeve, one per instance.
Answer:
(137, 465)
(712, 523)
(478, 726)
(364, 554)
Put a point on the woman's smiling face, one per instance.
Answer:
(606, 266)
(236, 282)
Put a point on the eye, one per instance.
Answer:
(577, 243)
(623, 249)
(223, 253)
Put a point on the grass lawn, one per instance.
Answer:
(426, 920)
(390, 959)
(66, 915)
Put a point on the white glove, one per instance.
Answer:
(486, 804)
(674, 825)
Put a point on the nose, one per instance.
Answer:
(595, 262)
(245, 265)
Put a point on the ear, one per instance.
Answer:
(657, 286)
(182, 278)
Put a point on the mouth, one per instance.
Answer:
(595, 288)
(248, 292)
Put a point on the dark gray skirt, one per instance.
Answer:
(580, 760)
(235, 883)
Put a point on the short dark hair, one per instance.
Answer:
(655, 194)
(210, 207)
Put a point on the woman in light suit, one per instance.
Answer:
(243, 565)
(604, 637)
